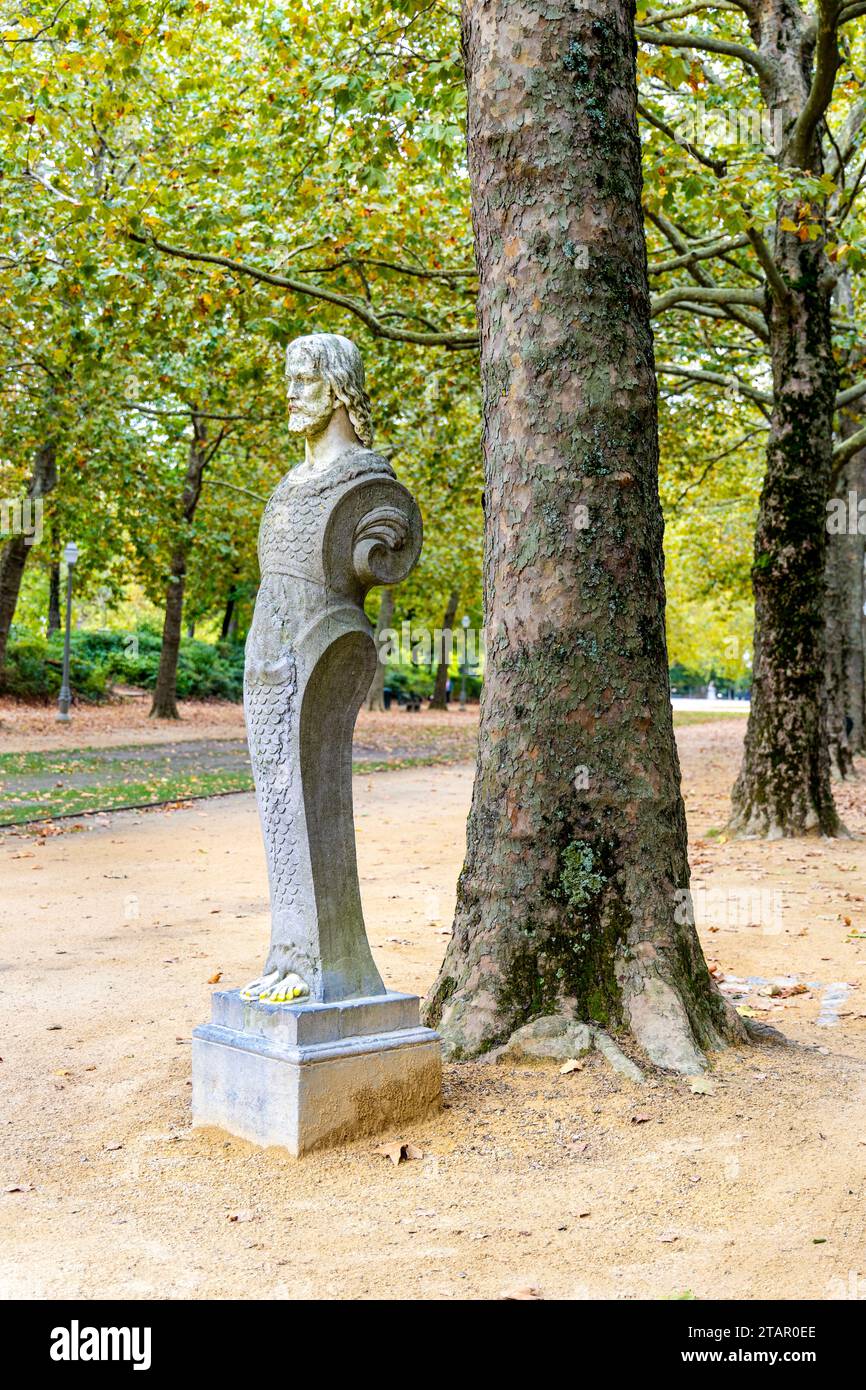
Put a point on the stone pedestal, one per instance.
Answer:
(306, 1075)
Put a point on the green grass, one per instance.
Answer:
(696, 716)
(117, 793)
(119, 784)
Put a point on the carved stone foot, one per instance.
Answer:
(276, 988)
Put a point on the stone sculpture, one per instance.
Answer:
(337, 525)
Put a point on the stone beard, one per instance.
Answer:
(334, 527)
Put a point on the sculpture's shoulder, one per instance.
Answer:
(360, 464)
(298, 511)
(300, 484)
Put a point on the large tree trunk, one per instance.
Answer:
(783, 787)
(14, 556)
(573, 896)
(376, 693)
(440, 687)
(165, 691)
(844, 615)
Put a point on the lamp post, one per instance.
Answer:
(70, 555)
(464, 622)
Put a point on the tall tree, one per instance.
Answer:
(777, 237)
(576, 844)
(440, 685)
(376, 693)
(201, 452)
(13, 557)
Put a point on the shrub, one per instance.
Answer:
(99, 659)
(34, 671)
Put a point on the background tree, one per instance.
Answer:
(762, 257)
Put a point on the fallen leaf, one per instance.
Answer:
(529, 1293)
(641, 1119)
(398, 1151)
(702, 1086)
(571, 1065)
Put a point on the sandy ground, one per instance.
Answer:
(581, 1186)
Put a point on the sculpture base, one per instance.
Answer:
(305, 1076)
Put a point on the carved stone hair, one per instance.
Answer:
(341, 365)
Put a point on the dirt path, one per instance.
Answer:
(582, 1185)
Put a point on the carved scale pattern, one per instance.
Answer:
(270, 715)
(294, 519)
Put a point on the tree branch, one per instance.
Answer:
(845, 451)
(398, 266)
(850, 394)
(827, 59)
(209, 478)
(454, 341)
(714, 379)
(745, 317)
(846, 144)
(744, 439)
(718, 166)
(700, 253)
(665, 16)
(189, 411)
(699, 294)
(779, 289)
(662, 38)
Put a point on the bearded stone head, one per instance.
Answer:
(324, 371)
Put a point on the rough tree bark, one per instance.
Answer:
(571, 896)
(440, 686)
(165, 691)
(783, 787)
(376, 693)
(14, 556)
(846, 551)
